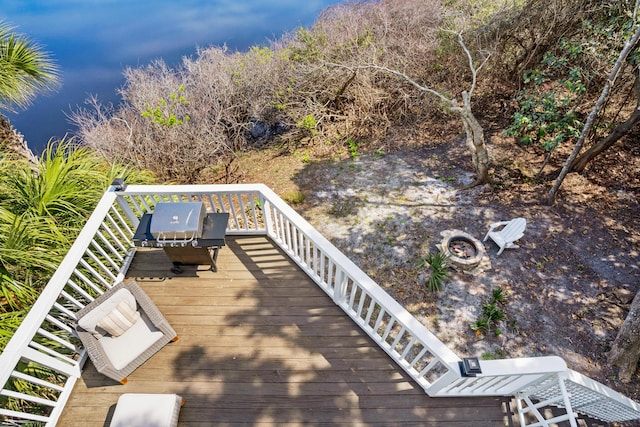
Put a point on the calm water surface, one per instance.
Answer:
(94, 40)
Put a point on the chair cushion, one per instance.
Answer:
(125, 348)
(147, 410)
(120, 319)
(89, 321)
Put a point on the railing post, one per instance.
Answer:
(444, 381)
(340, 288)
(266, 211)
(128, 212)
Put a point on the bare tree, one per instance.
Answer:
(626, 50)
(618, 132)
(474, 132)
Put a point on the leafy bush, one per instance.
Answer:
(40, 216)
(164, 112)
(547, 114)
(492, 314)
(561, 57)
(439, 269)
(293, 197)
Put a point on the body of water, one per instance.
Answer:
(93, 41)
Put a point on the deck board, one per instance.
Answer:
(261, 345)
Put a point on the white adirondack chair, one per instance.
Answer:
(504, 238)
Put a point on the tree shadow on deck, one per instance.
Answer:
(292, 357)
(568, 287)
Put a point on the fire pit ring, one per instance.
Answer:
(464, 251)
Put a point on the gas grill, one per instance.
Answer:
(187, 233)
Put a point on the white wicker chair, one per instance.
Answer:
(117, 356)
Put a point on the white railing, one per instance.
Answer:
(43, 360)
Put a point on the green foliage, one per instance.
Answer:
(547, 114)
(492, 314)
(293, 197)
(306, 157)
(497, 295)
(309, 124)
(164, 112)
(282, 97)
(25, 69)
(262, 54)
(555, 88)
(496, 354)
(41, 214)
(308, 45)
(438, 264)
(352, 145)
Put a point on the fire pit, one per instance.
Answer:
(464, 251)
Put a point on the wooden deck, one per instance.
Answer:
(261, 345)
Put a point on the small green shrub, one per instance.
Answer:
(353, 148)
(164, 112)
(547, 115)
(438, 263)
(293, 197)
(492, 314)
(309, 124)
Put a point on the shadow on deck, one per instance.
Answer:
(261, 345)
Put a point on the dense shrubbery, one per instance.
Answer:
(40, 216)
(311, 84)
(563, 68)
(233, 100)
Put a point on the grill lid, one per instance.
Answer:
(177, 221)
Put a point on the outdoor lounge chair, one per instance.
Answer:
(507, 235)
(121, 329)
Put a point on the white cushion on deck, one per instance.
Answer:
(90, 320)
(120, 319)
(128, 346)
(146, 410)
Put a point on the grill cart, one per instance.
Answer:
(187, 233)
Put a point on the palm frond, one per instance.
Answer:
(26, 69)
(15, 296)
(9, 323)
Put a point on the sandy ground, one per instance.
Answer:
(567, 287)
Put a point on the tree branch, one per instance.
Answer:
(452, 102)
(626, 50)
(472, 67)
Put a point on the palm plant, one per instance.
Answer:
(41, 213)
(25, 69)
(437, 263)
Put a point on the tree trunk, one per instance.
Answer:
(475, 142)
(625, 351)
(13, 146)
(621, 130)
(628, 47)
